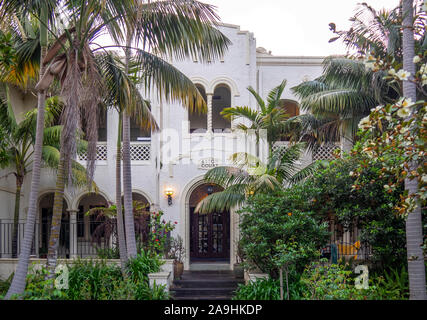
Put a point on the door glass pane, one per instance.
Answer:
(203, 244)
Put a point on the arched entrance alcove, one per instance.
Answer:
(86, 224)
(45, 206)
(141, 207)
(209, 233)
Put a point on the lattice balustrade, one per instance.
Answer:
(324, 152)
(101, 153)
(140, 152)
(280, 144)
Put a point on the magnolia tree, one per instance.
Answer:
(397, 140)
(395, 135)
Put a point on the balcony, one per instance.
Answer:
(140, 153)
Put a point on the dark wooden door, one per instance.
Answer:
(210, 235)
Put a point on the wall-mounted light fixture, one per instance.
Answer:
(169, 193)
(210, 189)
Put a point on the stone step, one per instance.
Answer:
(207, 277)
(214, 267)
(207, 283)
(212, 272)
(204, 298)
(192, 292)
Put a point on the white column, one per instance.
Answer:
(73, 233)
(209, 103)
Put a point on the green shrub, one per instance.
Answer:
(95, 280)
(4, 286)
(40, 288)
(144, 263)
(108, 253)
(269, 220)
(261, 289)
(391, 285)
(331, 282)
(370, 208)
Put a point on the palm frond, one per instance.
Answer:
(227, 199)
(179, 28)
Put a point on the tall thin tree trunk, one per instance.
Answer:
(55, 229)
(414, 232)
(19, 280)
(127, 178)
(120, 226)
(19, 181)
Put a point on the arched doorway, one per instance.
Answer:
(45, 220)
(141, 208)
(209, 233)
(88, 224)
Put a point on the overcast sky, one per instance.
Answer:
(293, 27)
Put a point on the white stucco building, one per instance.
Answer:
(190, 145)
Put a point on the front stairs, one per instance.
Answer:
(205, 285)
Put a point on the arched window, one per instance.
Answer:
(291, 109)
(220, 101)
(198, 121)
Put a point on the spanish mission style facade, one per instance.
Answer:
(174, 160)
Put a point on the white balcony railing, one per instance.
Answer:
(325, 151)
(101, 152)
(139, 151)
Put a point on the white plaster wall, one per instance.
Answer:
(239, 69)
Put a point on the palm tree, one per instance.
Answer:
(107, 221)
(347, 90)
(336, 101)
(270, 116)
(45, 11)
(414, 233)
(169, 28)
(121, 91)
(72, 61)
(250, 176)
(19, 138)
(20, 141)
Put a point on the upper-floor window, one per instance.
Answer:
(221, 100)
(291, 109)
(198, 120)
(102, 125)
(137, 133)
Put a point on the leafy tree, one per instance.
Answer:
(268, 222)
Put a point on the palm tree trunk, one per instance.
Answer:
(120, 226)
(414, 233)
(19, 182)
(55, 229)
(19, 280)
(127, 178)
